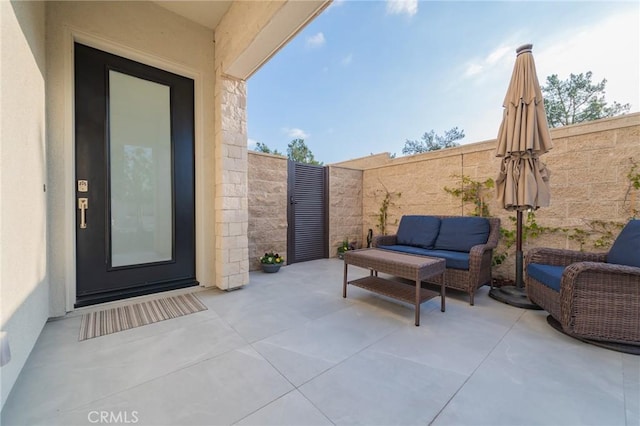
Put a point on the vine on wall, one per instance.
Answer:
(633, 188)
(598, 234)
(473, 191)
(383, 211)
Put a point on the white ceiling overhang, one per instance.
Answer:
(206, 13)
(282, 27)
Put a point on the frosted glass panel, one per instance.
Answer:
(140, 148)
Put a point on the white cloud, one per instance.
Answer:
(609, 48)
(316, 40)
(295, 133)
(497, 54)
(251, 143)
(334, 4)
(398, 7)
(347, 59)
(473, 69)
(496, 57)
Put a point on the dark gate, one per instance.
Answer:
(308, 230)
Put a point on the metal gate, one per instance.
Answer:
(308, 230)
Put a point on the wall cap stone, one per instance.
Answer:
(618, 122)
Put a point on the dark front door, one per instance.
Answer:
(307, 214)
(135, 222)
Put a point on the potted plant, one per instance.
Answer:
(271, 262)
(345, 246)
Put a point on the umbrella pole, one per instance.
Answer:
(515, 295)
(519, 249)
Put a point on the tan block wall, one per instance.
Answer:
(267, 206)
(372, 160)
(345, 208)
(267, 200)
(588, 164)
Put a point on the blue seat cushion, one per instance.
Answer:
(453, 259)
(462, 233)
(549, 275)
(418, 231)
(626, 248)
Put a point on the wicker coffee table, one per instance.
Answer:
(412, 267)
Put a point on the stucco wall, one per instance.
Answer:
(24, 286)
(239, 27)
(345, 208)
(267, 206)
(588, 163)
(148, 33)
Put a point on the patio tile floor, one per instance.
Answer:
(289, 350)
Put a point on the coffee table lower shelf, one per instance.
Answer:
(394, 289)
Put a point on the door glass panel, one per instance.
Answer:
(140, 166)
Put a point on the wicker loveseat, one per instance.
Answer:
(591, 296)
(466, 243)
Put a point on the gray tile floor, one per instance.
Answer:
(289, 350)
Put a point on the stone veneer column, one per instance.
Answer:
(231, 207)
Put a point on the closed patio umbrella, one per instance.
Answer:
(523, 182)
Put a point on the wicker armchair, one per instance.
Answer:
(480, 262)
(596, 301)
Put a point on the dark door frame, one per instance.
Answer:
(291, 219)
(181, 268)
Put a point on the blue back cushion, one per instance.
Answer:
(626, 248)
(418, 231)
(462, 233)
(549, 275)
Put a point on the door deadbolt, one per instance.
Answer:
(83, 186)
(83, 205)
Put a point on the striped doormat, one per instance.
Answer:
(101, 323)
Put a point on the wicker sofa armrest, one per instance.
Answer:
(494, 233)
(609, 272)
(559, 257)
(601, 301)
(384, 240)
(478, 251)
(480, 259)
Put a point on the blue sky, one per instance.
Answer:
(364, 76)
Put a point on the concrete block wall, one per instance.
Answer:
(267, 202)
(345, 208)
(588, 164)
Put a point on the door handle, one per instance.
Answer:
(292, 200)
(83, 205)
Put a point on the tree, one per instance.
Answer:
(298, 151)
(576, 100)
(261, 147)
(432, 142)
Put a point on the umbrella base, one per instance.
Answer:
(513, 296)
